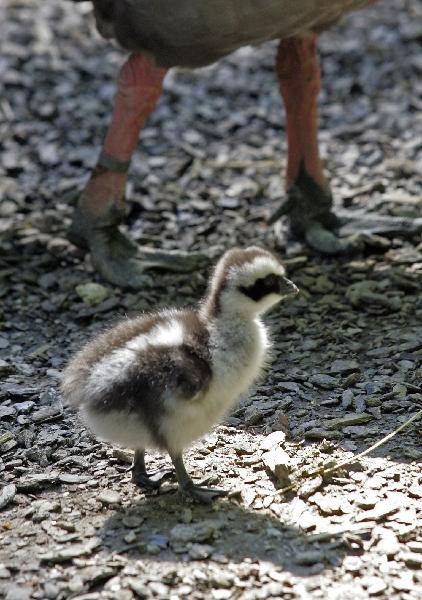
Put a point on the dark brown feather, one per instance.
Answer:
(144, 389)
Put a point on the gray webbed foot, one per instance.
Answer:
(326, 241)
(118, 258)
(363, 223)
(309, 208)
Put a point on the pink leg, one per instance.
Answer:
(300, 82)
(140, 85)
(309, 199)
(100, 210)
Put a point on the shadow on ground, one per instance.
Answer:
(223, 530)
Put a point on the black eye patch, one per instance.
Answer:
(262, 287)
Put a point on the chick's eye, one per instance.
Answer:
(271, 281)
(262, 287)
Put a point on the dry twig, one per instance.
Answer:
(343, 463)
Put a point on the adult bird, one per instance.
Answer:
(162, 34)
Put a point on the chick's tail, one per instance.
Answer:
(72, 384)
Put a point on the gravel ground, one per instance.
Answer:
(347, 360)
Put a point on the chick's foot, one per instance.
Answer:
(149, 481)
(188, 489)
(200, 494)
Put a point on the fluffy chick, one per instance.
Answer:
(161, 380)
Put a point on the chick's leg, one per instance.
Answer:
(101, 207)
(188, 489)
(143, 479)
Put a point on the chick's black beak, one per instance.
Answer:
(287, 287)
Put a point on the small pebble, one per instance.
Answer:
(109, 497)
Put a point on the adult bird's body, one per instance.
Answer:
(191, 33)
(161, 34)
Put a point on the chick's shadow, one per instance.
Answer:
(155, 527)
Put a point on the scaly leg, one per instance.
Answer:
(188, 489)
(100, 208)
(309, 199)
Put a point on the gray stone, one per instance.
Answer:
(7, 442)
(309, 487)
(132, 521)
(15, 592)
(130, 537)
(329, 505)
(95, 575)
(36, 481)
(289, 386)
(413, 560)
(73, 478)
(4, 343)
(349, 419)
(360, 403)
(123, 455)
(51, 591)
(388, 545)
(6, 368)
(415, 546)
(92, 293)
(382, 510)
(200, 551)
(278, 462)
(367, 500)
(4, 573)
(138, 586)
(375, 586)
(109, 497)
(73, 551)
(347, 399)
(195, 532)
(324, 381)
(367, 292)
(47, 413)
(221, 594)
(7, 411)
(7, 494)
(276, 438)
(344, 366)
(24, 407)
(309, 557)
(253, 416)
(353, 564)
